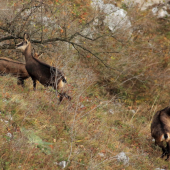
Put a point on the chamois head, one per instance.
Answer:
(24, 44)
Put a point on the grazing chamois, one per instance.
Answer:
(160, 130)
(38, 70)
(14, 68)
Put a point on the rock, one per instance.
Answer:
(115, 17)
(82, 106)
(9, 134)
(101, 154)
(9, 117)
(111, 111)
(5, 121)
(154, 10)
(62, 164)
(4, 100)
(160, 12)
(133, 111)
(121, 157)
(97, 4)
(143, 4)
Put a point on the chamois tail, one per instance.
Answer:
(64, 79)
(166, 136)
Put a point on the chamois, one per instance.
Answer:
(14, 68)
(38, 70)
(160, 130)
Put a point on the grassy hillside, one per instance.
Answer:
(89, 131)
(110, 111)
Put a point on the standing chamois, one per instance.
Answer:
(44, 73)
(15, 68)
(160, 130)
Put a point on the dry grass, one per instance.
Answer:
(87, 132)
(90, 131)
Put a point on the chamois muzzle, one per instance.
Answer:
(22, 45)
(19, 45)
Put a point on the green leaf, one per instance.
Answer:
(34, 139)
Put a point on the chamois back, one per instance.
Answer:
(160, 130)
(14, 68)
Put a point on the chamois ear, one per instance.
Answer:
(26, 36)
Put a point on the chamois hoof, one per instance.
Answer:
(60, 98)
(162, 156)
(69, 98)
(168, 158)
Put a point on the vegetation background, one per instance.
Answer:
(117, 79)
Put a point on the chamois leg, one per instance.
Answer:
(62, 95)
(20, 82)
(164, 149)
(66, 96)
(34, 84)
(168, 151)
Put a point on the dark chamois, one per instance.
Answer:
(160, 130)
(14, 68)
(44, 73)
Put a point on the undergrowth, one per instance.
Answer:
(88, 132)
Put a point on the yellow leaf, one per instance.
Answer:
(79, 140)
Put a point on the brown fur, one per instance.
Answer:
(160, 130)
(14, 68)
